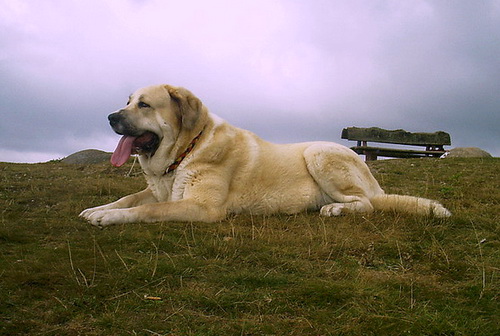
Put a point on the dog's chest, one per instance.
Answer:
(169, 187)
(161, 186)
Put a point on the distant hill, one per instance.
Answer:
(87, 156)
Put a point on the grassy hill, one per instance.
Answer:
(377, 274)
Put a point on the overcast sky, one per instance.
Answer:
(288, 70)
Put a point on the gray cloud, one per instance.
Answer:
(289, 71)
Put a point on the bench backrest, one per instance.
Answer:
(400, 136)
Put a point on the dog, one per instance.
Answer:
(198, 167)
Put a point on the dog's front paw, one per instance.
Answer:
(85, 214)
(103, 218)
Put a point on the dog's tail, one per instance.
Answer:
(409, 204)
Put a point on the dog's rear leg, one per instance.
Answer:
(343, 177)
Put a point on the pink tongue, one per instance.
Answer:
(122, 151)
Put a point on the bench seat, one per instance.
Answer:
(432, 142)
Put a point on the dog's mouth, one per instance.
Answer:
(146, 143)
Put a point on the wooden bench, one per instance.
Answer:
(433, 142)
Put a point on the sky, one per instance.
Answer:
(288, 70)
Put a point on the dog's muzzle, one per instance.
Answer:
(134, 140)
(115, 118)
(120, 125)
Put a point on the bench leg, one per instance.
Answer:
(370, 156)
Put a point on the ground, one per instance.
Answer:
(377, 274)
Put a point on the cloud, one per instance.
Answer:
(287, 70)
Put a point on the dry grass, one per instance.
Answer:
(382, 274)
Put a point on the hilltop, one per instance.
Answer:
(377, 274)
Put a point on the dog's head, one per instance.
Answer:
(154, 115)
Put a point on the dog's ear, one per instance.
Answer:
(189, 105)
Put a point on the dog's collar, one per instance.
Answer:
(181, 157)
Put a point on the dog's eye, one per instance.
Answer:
(143, 105)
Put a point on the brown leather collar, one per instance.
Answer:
(181, 157)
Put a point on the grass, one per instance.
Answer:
(379, 274)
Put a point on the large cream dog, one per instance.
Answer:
(200, 168)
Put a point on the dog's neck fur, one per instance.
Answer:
(157, 167)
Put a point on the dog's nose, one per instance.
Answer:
(114, 118)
